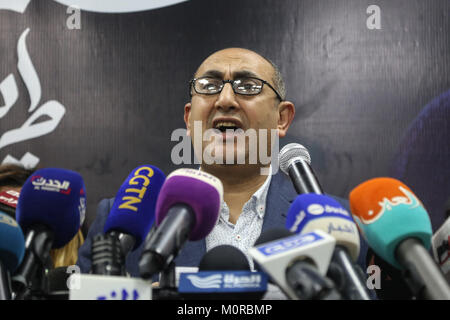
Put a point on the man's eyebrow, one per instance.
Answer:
(244, 74)
(236, 75)
(212, 74)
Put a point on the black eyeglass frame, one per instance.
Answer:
(192, 85)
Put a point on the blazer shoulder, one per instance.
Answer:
(104, 206)
(344, 202)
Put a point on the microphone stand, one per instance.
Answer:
(167, 284)
(309, 284)
(5, 283)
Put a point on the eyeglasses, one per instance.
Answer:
(245, 86)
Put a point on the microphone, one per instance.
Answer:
(311, 212)
(398, 229)
(129, 221)
(271, 235)
(295, 162)
(224, 257)
(298, 264)
(12, 248)
(188, 206)
(8, 201)
(57, 284)
(106, 287)
(50, 207)
(441, 248)
(224, 274)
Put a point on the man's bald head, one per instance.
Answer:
(275, 74)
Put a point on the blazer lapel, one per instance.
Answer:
(191, 254)
(279, 198)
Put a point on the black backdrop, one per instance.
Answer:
(122, 79)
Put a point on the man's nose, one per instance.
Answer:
(227, 98)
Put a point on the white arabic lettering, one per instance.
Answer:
(28, 72)
(8, 200)
(388, 205)
(8, 89)
(50, 184)
(298, 219)
(410, 199)
(340, 228)
(13, 193)
(28, 130)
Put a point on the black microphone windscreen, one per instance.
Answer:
(57, 279)
(224, 257)
(56, 284)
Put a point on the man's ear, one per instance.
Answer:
(286, 112)
(187, 115)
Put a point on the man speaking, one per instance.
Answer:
(234, 91)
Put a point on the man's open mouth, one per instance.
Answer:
(224, 125)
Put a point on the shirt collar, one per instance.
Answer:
(257, 202)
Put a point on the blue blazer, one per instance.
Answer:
(280, 195)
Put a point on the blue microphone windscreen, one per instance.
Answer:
(133, 211)
(307, 207)
(55, 198)
(12, 243)
(311, 212)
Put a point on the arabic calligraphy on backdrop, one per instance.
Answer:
(32, 129)
(8, 89)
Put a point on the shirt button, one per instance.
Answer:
(238, 238)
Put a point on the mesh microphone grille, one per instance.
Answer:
(107, 257)
(289, 153)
